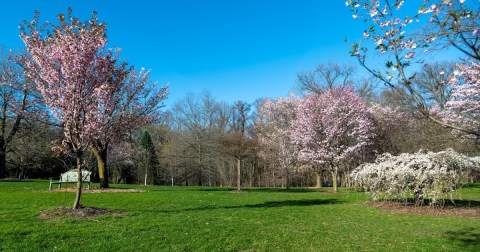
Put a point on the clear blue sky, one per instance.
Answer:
(239, 50)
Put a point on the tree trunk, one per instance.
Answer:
(3, 163)
(239, 187)
(146, 176)
(101, 156)
(287, 177)
(318, 178)
(346, 178)
(273, 178)
(334, 180)
(76, 205)
(185, 176)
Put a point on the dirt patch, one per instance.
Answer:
(62, 212)
(398, 207)
(106, 190)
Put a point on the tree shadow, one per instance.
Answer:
(463, 203)
(472, 185)
(446, 203)
(15, 180)
(259, 189)
(290, 190)
(210, 189)
(469, 237)
(289, 203)
(268, 204)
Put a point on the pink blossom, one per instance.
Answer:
(332, 127)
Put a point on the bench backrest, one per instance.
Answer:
(72, 176)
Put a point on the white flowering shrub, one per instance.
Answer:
(421, 176)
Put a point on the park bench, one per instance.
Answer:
(70, 177)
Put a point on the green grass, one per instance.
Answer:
(214, 219)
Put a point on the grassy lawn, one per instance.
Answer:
(214, 219)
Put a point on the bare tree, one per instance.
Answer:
(18, 101)
(332, 75)
(325, 77)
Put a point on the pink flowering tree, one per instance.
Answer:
(133, 99)
(136, 102)
(394, 35)
(274, 131)
(72, 72)
(331, 128)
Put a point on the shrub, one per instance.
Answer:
(422, 175)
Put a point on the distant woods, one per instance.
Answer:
(337, 120)
(208, 142)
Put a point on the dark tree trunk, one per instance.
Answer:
(3, 163)
(3, 158)
(101, 156)
(104, 181)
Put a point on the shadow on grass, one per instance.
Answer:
(290, 190)
(260, 189)
(446, 203)
(14, 180)
(312, 202)
(463, 203)
(469, 237)
(268, 204)
(472, 185)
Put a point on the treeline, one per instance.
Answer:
(207, 142)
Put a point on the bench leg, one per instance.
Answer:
(88, 185)
(50, 187)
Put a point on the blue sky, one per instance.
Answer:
(239, 50)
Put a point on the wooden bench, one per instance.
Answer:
(70, 177)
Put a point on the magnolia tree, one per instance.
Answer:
(421, 175)
(392, 35)
(463, 109)
(274, 131)
(71, 71)
(331, 128)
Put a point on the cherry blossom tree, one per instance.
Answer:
(274, 131)
(331, 128)
(393, 36)
(71, 71)
(136, 102)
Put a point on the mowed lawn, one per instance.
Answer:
(215, 219)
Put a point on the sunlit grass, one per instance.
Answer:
(214, 219)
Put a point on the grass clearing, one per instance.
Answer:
(214, 219)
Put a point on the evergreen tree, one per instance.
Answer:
(150, 159)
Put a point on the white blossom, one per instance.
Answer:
(422, 175)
